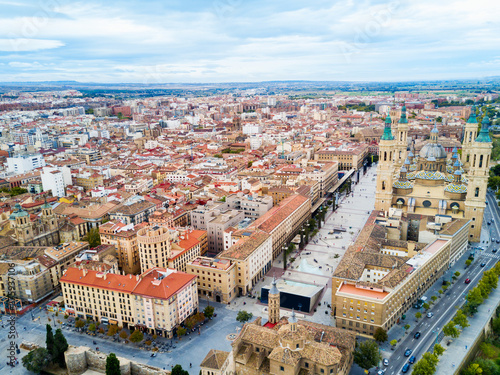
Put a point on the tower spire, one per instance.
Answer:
(387, 136)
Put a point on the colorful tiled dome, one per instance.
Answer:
(403, 184)
(430, 175)
(456, 188)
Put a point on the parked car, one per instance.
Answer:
(386, 362)
(417, 335)
(405, 368)
(467, 281)
(494, 250)
(430, 314)
(408, 352)
(412, 360)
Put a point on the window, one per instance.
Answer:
(282, 368)
(476, 192)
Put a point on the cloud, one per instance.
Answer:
(22, 44)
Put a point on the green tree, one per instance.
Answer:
(468, 262)
(79, 323)
(407, 327)
(488, 366)
(495, 325)
(93, 237)
(434, 298)
(60, 347)
(112, 365)
(473, 369)
(457, 274)
(438, 350)
(181, 331)
(37, 360)
(380, 335)
(460, 319)
(178, 370)
(209, 311)
(474, 299)
(393, 343)
(92, 327)
(243, 316)
(450, 330)
(366, 354)
(49, 340)
(136, 336)
(426, 365)
(123, 334)
(426, 306)
(418, 315)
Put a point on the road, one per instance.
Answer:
(445, 307)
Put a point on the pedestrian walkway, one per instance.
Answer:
(450, 361)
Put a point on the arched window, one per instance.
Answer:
(480, 161)
(383, 185)
(385, 155)
(468, 158)
(476, 193)
(474, 163)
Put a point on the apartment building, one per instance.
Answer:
(216, 278)
(347, 157)
(375, 287)
(252, 255)
(185, 247)
(154, 247)
(284, 221)
(53, 181)
(124, 238)
(25, 163)
(156, 301)
(253, 206)
(89, 180)
(133, 211)
(326, 174)
(218, 224)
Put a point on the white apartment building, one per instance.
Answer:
(53, 181)
(25, 163)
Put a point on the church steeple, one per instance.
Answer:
(387, 136)
(470, 133)
(273, 303)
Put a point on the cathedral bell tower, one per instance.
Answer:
(401, 138)
(479, 166)
(48, 217)
(273, 303)
(470, 134)
(385, 168)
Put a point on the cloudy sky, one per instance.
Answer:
(154, 41)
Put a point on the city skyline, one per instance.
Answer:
(235, 41)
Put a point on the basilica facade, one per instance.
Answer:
(433, 182)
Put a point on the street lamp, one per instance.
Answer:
(436, 331)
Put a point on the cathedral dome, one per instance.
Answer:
(430, 175)
(432, 149)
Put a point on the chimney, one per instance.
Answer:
(105, 276)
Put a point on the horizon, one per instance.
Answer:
(231, 41)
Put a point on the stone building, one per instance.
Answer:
(433, 183)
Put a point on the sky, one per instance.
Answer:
(205, 41)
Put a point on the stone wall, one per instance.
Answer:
(80, 359)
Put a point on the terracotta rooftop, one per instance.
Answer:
(245, 246)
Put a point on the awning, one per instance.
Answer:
(113, 321)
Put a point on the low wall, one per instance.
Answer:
(80, 359)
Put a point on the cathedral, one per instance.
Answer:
(434, 183)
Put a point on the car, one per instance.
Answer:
(412, 360)
(483, 264)
(417, 335)
(405, 368)
(408, 352)
(381, 372)
(494, 250)
(386, 362)
(498, 240)
(430, 314)
(489, 222)
(493, 239)
(467, 281)
(153, 354)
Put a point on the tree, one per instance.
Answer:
(380, 335)
(457, 274)
(460, 319)
(366, 354)
(181, 331)
(49, 340)
(468, 262)
(123, 334)
(426, 365)
(438, 350)
(243, 316)
(79, 324)
(495, 325)
(473, 369)
(418, 315)
(407, 327)
(60, 347)
(426, 306)
(209, 311)
(93, 237)
(488, 366)
(112, 330)
(136, 336)
(450, 330)
(474, 299)
(92, 327)
(393, 343)
(112, 365)
(434, 298)
(37, 360)
(178, 370)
